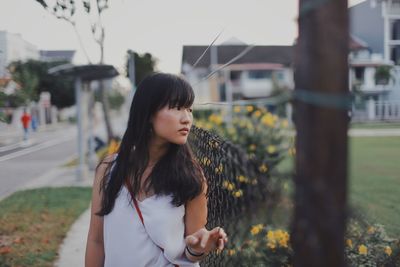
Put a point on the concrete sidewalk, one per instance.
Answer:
(72, 250)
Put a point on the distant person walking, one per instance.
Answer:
(25, 119)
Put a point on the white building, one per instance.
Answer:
(254, 75)
(12, 48)
(377, 24)
(375, 58)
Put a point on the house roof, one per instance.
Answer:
(258, 54)
(256, 66)
(356, 43)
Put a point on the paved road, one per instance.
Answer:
(25, 163)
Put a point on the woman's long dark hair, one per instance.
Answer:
(177, 172)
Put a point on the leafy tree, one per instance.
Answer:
(14, 100)
(33, 76)
(144, 64)
(65, 10)
(116, 99)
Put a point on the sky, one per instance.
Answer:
(160, 27)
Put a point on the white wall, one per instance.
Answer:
(13, 47)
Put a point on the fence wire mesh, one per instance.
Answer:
(237, 188)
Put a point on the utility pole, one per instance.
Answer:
(321, 78)
(131, 70)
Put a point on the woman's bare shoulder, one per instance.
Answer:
(104, 164)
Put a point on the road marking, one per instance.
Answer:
(36, 148)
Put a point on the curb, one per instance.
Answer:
(72, 250)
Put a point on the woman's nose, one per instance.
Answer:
(186, 117)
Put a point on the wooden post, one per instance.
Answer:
(321, 76)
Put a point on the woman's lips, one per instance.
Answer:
(184, 131)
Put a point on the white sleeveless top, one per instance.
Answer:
(128, 244)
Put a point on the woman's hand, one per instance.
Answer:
(204, 241)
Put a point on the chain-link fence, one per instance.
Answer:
(237, 188)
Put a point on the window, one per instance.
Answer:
(235, 75)
(395, 54)
(279, 75)
(260, 74)
(396, 30)
(359, 73)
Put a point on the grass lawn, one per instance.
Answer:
(375, 179)
(375, 125)
(33, 223)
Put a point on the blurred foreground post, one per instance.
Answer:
(321, 77)
(83, 75)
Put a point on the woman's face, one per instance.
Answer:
(172, 124)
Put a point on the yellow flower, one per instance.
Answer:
(249, 108)
(270, 236)
(231, 252)
(257, 114)
(363, 250)
(238, 193)
(200, 124)
(388, 250)
(254, 182)
(282, 237)
(349, 243)
(283, 243)
(213, 144)
(371, 230)
(271, 245)
(206, 161)
(113, 147)
(219, 169)
(278, 237)
(252, 147)
(228, 185)
(237, 109)
(242, 179)
(268, 120)
(256, 229)
(208, 125)
(215, 119)
(263, 168)
(271, 149)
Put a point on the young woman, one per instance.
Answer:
(149, 205)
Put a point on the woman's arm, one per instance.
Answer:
(196, 212)
(94, 256)
(200, 241)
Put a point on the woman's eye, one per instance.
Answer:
(190, 110)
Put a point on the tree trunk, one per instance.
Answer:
(321, 73)
(106, 111)
(103, 94)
